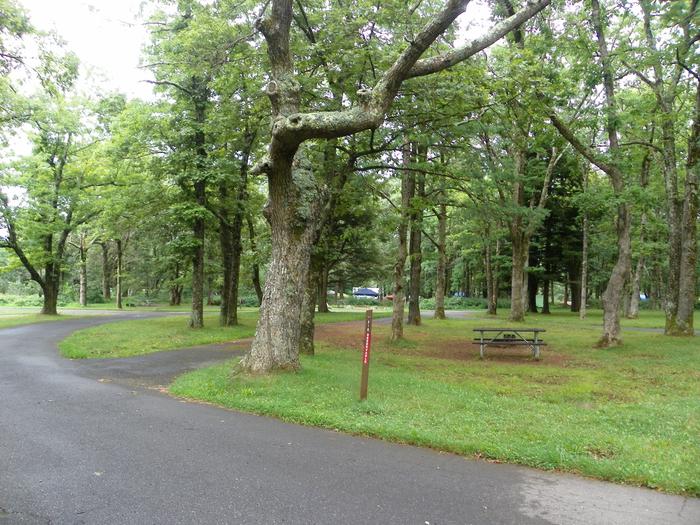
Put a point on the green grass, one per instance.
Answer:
(630, 414)
(9, 320)
(145, 336)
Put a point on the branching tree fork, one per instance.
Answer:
(292, 208)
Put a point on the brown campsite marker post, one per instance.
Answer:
(365, 355)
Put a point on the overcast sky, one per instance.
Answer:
(108, 35)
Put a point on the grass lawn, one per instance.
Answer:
(630, 414)
(144, 336)
(9, 318)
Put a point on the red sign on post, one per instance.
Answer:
(365, 355)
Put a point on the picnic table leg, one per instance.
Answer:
(481, 346)
(536, 349)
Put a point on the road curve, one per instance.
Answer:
(74, 449)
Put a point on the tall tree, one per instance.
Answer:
(292, 212)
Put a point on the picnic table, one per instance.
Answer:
(501, 337)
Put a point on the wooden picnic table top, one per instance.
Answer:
(509, 330)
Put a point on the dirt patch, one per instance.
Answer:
(349, 336)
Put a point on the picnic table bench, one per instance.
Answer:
(501, 337)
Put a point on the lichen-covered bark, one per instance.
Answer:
(293, 212)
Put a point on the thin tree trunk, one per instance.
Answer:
(492, 301)
(584, 256)
(545, 296)
(633, 309)
(255, 269)
(106, 272)
(322, 289)
(416, 253)
(574, 286)
(689, 246)
(198, 233)
(226, 247)
(407, 192)
(495, 282)
(519, 248)
(118, 291)
(532, 287)
(82, 251)
(519, 241)
(442, 263)
(306, 344)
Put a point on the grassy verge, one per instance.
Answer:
(16, 319)
(629, 415)
(145, 336)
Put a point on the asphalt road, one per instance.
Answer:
(90, 442)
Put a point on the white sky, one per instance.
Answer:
(107, 36)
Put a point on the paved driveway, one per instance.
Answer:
(84, 444)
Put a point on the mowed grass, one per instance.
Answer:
(629, 414)
(145, 336)
(9, 320)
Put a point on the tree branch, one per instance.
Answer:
(587, 152)
(451, 58)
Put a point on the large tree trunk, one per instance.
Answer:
(118, 291)
(613, 294)
(293, 210)
(106, 272)
(50, 290)
(416, 253)
(407, 192)
(442, 263)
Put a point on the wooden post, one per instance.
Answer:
(365, 355)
